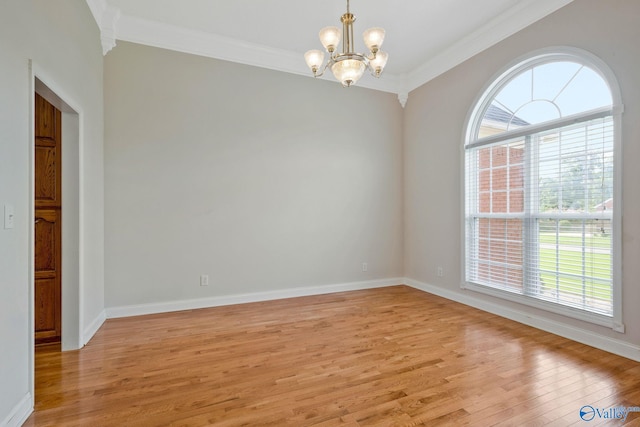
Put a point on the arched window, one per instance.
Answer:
(541, 174)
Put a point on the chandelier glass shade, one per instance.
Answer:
(348, 66)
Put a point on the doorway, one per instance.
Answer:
(69, 220)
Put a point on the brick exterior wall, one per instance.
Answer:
(501, 190)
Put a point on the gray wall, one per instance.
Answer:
(263, 180)
(63, 41)
(435, 120)
(260, 179)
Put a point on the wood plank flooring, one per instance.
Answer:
(387, 357)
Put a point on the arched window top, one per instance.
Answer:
(543, 88)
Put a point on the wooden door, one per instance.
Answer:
(47, 224)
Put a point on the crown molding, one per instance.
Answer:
(108, 33)
(97, 7)
(518, 17)
(107, 18)
(210, 45)
(116, 26)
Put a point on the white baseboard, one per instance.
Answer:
(19, 413)
(612, 345)
(192, 304)
(91, 330)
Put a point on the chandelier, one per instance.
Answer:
(348, 66)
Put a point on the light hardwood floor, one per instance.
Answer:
(390, 356)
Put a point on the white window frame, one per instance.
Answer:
(473, 121)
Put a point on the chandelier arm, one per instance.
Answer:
(324, 68)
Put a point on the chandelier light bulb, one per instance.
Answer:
(373, 38)
(330, 37)
(314, 59)
(377, 64)
(348, 71)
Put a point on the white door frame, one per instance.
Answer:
(72, 300)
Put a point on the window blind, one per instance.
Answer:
(538, 215)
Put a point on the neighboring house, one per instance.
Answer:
(501, 191)
(497, 120)
(607, 205)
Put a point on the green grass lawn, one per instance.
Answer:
(561, 265)
(594, 241)
(596, 266)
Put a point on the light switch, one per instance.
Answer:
(9, 216)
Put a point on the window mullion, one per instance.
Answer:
(529, 251)
(556, 268)
(584, 263)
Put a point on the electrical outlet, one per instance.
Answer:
(440, 272)
(204, 280)
(365, 267)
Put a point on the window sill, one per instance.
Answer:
(597, 319)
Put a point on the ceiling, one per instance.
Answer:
(424, 37)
